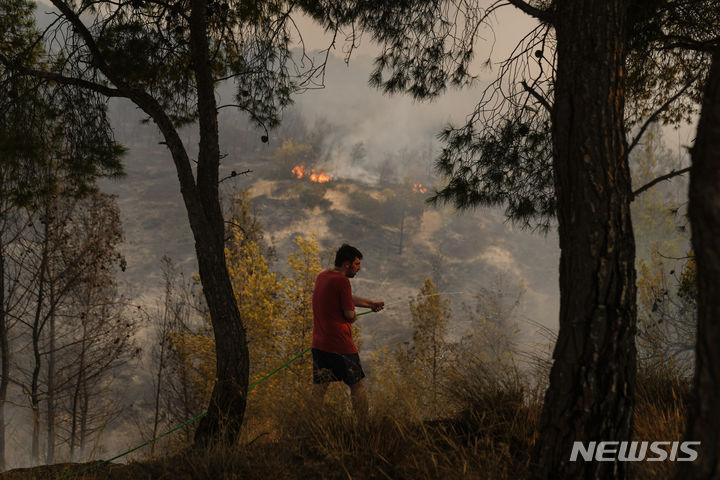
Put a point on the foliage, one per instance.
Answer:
(669, 44)
(509, 165)
(495, 320)
(256, 293)
(656, 213)
(250, 44)
(294, 328)
(667, 314)
(491, 436)
(97, 338)
(175, 398)
(277, 311)
(661, 411)
(186, 50)
(423, 50)
(502, 155)
(424, 360)
(196, 355)
(54, 141)
(666, 310)
(68, 314)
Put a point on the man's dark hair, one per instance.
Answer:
(346, 253)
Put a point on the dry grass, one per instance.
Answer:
(660, 415)
(483, 427)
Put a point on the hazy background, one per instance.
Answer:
(368, 143)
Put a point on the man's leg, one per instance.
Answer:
(359, 399)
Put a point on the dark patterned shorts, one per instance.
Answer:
(336, 367)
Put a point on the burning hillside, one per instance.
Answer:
(301, 172)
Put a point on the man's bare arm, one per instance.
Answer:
(366, 303)
(350, 315)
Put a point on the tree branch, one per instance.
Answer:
(686, 43)
(82, 30)
(657, 112)
(537, 96)
(652, 183)
(141, 98)
(235, 174)
(542, 15)
(61, 79)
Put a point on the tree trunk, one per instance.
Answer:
(161, 366)
(229, 396)
(592, 380)
(36, 333)
(35, 399)
(4, 355)
(704, 213)
(84, 409)
(75, 410)
(51, 381)
(227, 404)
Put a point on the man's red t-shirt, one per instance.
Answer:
(331, 330)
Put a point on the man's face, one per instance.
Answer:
(353, 268)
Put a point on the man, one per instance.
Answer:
(335, 356)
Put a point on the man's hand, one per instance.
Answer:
(371, 304)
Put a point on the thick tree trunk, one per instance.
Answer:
(704, 213)
(592, 381)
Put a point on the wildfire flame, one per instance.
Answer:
(300, 171)
(320, 177)
(418, 188)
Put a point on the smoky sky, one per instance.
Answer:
(382, 124)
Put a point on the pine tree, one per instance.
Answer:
(424, 360)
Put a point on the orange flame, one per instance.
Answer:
(418, 188)
(300, 171)
(320, 177)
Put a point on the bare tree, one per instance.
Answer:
(174, 398)
(13, 298)
(69, 274)
(96, 337)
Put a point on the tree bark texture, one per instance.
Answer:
(592, 380)
(704, 213)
